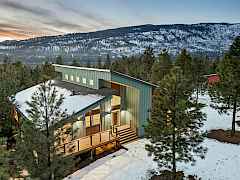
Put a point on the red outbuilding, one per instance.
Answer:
(213, 78)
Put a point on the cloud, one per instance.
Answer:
(20, 7)
(8, 26)
(30, 19)
(60, 25)
(97, 19)
(15, 34)
(15, 31)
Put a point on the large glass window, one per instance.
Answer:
(66, 76)
(87, 121)
(116, 100)
(78, 129)
(84, 80)
(106, 115)
(91, 82)
(96, 119)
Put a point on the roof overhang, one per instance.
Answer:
(134, 79)
(77, 99)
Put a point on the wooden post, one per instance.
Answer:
(100, 113)
(91, 118)
(90, 127)
(71, 124)
(116, 132)
(100, 137)
(116, 144)
(84, 124)
(93, 154)
(78, 145)
(91, 140)
(64, 149)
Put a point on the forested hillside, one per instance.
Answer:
(211, 39)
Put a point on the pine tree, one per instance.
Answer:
(59, 60)
(161, 67)
(148, 59)
(173, 130)
(99, 63)
(213, 66)
(9, 83)
(4, 164)
(108, 62)
(184, 60)
(136, 68)
(199, 69)
(36, 146)
(225, 95)
(47, 72)
(36, 74)
(6, 60)
(75, 63)
(25, 78)
(89, 65)
(235, 47)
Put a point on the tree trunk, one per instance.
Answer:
(48, 136)
(174, 134)
(174, 156)
(49, 153)
(234, 116)
(197, 95)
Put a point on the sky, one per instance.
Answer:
(22, 19)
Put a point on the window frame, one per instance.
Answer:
(66, 76)
(91, 82)
(84, 80)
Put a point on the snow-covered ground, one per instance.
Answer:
(222, 161)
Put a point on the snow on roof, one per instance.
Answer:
(82, 68)
(72, 103)
(106, 70)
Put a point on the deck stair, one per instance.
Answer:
(126, 135)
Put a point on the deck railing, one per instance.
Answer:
(86, 142)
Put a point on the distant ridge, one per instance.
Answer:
(144, 27)
(202, 38)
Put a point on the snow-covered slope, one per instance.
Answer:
(222, 161)
(210, 38)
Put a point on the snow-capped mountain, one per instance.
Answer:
(207, 38)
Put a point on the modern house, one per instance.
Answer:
(104, 107)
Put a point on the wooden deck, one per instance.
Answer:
(89, 142)
(123, 127)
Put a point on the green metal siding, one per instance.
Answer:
(132, 105)
(145, 106)
(89, 74)
(138, 93)
(142, 103)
